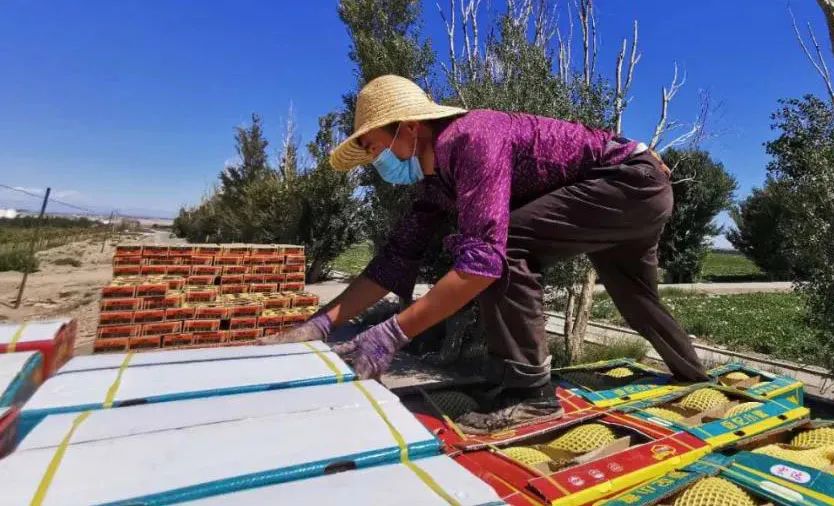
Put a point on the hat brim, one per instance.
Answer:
(349, 154)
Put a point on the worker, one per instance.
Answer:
(527, 191)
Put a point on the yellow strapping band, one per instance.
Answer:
(10, 348)
(339, 376)
(404, 458)
(114, 388)
(46, 480)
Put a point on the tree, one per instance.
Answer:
(702, 188)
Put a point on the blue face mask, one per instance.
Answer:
(396, 171)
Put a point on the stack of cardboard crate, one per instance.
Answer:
(198, 295)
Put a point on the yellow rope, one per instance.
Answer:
(339, 376)
(114, 388)
(52, 468)
(12, 346)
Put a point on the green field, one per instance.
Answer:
(16, 236)
(352, 261)
(769, 323)
(728, 266)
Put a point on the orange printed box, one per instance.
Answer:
(208, 337)
(201, 260)
(112, 331)
(291, 249)
(244, 310)
(127, 260)
(264, 269)
(205, 294)
(144, 342)
(127, 270)
(224, 289)
(295, 276)
(270, 321)
(160, 328)
(201, 325)
(234, 270)
(211, 312)
(294, 260)
(266, 250)
(260, 260)
(236, 250)
(228, 260)
(152, 270)
(178, 270)
(200, 280)
(154, 251)
(160, 261)
(244, 334)
(128, 249)
(116, 318)
(292, 268)
(180, 313)
(175, 283)
(130, 304)
(110, 344)
(303, 299)
(206, 270)
(176, 340)
(253, 278)
(169, 301)
(275, 278)
(293, 316)
(207, 249)
(118, 291)
(180, 251)
(243, 323)
(234, 279)
(292, 287)
(277, 301)
(149, 316)
(263, 287)
(152, 290)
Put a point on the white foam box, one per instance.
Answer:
(170, 380)
(184, 450)
(391, 485)
(20, 375)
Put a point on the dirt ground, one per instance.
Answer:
(62, 290)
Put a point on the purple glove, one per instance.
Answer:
(316, 328)
(372, 351)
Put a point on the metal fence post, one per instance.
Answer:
(35, 235)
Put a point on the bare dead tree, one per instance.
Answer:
(564, 52)
(545, 25)
(621, 99)
(453, 74)
(827, 7)
(588, 23)
(666, 96)
(816, 59)
(469, 24)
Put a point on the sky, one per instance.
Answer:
(132, 105)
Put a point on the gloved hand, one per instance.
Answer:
(372, 351)
(316, 328)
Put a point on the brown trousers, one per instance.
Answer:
(615, 215)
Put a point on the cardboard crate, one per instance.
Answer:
(200, 325)
(207, 249)
(111, 331)
(286, 269)
(277, 301)
(228, 260)
(115, 318)
(181, 250)
(127, 270)
(304, 299)
(178, 270)
(166, 261)
(228, 289)
(154, 250)
(203, 260)
(206, 270)
(234, 270)
(144, 343)
(294, 316)
(235, 249)
(245, 310)
(175, 283)
(200, 280)
(118, 291)
(167, 302)
(271, 319)
(719, 423)
(131, 304)
(253, 278)
(127, 260)
(176, 340)
(180, 313)
(149, 316)
(20, 375)
(263, 287)
(211, 312)
(244, 334)
(202, 294)
(161, 328)
(614, 382)
(210, 337)
(758, 382)
(128, 250)
(294, 276)
(292, 287)
(104, 345)
(247, 322)
(291, 249)
(152, 290)
(231, 279)
(264, 269)
(152, 270)
(261, 260)
(294, 260)
(275, 278)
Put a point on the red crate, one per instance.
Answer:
(295, 286)
(200, 280)
(253, 278)
(200, 260)
(178, 270)
(149, 316)
(224, 289)
(152, 270)
(216, 336)
(211, 312)
(207, 249)
(304, 299)
(175, 283)
(127, 270)
(235, 279)
(291, 316)
(241, 310)
(264, 269)
(180, 251)
(159, 261)
(292, 268)
(206, 270)
(294, 260)
(243, 323)
(152, 290)
(244, 334)
(176, 340)
(263, 287)
(201, 325)
(205, 294)
(290, 249)
(236, 249)
(144, 342)
(234, 270)
(267, 250)
(260, 260)
(271, 321)
(154, 250)
(131, 304)
(277, 301)
(116, 318)
(275, 278)
(111, 331)
(169, 301)
(294, 276)
(128, 250)
(157, 329)
(110, 344)
(180, 313)
(118, 291)
(228, 260)
(127, 260)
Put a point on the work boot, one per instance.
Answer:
(509, 407)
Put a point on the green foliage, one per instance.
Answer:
(702, 188)
(354, 259)
(18, 260)
(730, 266)
(614, 349)
(74, 262)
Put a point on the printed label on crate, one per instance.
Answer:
(180, 313)
(263, 287)
(244, 310)
(235, 250)
(228, 260)
(126, 270)
(304, 299)
(224, 289)
(217, 336)
(275, 278)
(231, 279)
(180, 251)
(204, 295)
(234, 270)
(110, 344)
(253, 278)
(149, 316)
(116, 318)
(211, 312)
(294, 260)
(176, 340)
(243, 323)
(150, 270)
(206, 270)
(127, 260)
(200, 280)
(201, 325)
(152, 290)
(292, 268)
(270, 319)
(277, 301)
(292, 287)
(201, 260)
(117, 291)
(130, 304)
(118, 331)
(169, 301)
(295, 276)
(244, 334)
(154, 329)
(208, 249)
(179, 270)
(264, 269)
(144, 342)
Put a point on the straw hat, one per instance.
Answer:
(385, 100)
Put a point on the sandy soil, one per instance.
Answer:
(64, 290)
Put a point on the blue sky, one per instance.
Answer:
(132, 104)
